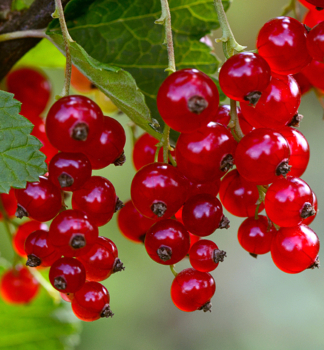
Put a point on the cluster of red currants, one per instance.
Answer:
(77, 256)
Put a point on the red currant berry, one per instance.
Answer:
(72, 233)
(315, 42)
(313, 17)
(206, 154)
(303, 83)
(276, 107)
(158, 190)
(295, 249)
(239, 196)
(102, 260)
(192, 290)
(67, 297)
(39, 251)
(187, 100)
(132, 224)
(319, 4)
(24, 230)
(314, 73)
(282, 43)
(308, 5)
(255, 235)
(9, 203)
(67, 275)
(205, 256)
(39, 200)
(18, 286)
(91, 302)
(97, 198)
(310, 219)
(69, 171)
(108, 147)
(80, 82)
(289, 201)
(299, 150)
(203, 214)
(31, 87)
(211, 188)
(262, 155)
(167, 242)
(244, 76)
(73, 122)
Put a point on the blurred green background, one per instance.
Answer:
(256, 306)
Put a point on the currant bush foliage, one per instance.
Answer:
(20, 159)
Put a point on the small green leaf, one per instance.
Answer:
(18, 5)
(20, 158)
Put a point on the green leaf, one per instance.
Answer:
(20, 158)
(123, 33)
(39, 325)
(18, 5)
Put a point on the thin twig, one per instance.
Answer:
(33, 33)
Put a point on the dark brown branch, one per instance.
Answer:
(38, 16)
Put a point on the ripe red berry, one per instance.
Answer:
(132, 224)
(318, 3)
(67, 275)
(69, 171)
(295, 249)
(211, 188)
(102, 260)
(203, 214)
(167, 242)
(262, 155)
(18, 286)
(31, 87)
(314, 73)
(80, 82)
(289, 201)
(91, 302)
(39, 200)
(282, 43)
(187, 100)
(277, 106)
(239, 196)
(24, 230)
(205, 256)
(206, 154)
(192, 290)
(67, 297)
(97, 198)
(72, 233)
(9, 203)
(315, 42)
(244, 76)
(255, 235)
(39, 250)
(158, 190)
(313, 17)
(108, 146)
(73, 122)
(303, 83)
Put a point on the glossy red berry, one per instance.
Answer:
(24, 230)
(303, 83)
(73, 122)
(315, 42)
(308, 5)
(262, 155)
(72, 233)
(205, 256)
(102, 260)
(9, 203)
(255, 235)
(313, 17)
(299, 150)
(91, 302)
(206, 154)
(40, 200)
(211, 188)
(69, 171)
(31, 87)
(167, 242)
(18, 286)
(318, 3)
(289, 201)
(314, 73)
(39, 250)
(97, 198)
(192, 290)
(295, 249)
(108, 146)
(158, 190)
(67, 275)
(282, 43)
(239, 196)
(310, 219)
(67, 297)
(277, 106)
(244, 76)
(203, 214)
(187, 100)
(132, 224)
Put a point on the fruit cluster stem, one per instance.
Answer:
(230, 45)
(234, 124)
(165, 20)
(59, 12)
(175, 273)
(292, 6)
